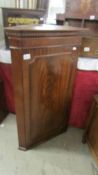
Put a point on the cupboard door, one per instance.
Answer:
(49, 88)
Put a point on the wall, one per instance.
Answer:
(4, 3)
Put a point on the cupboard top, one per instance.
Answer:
(43, 28)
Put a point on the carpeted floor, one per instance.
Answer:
(62, 155)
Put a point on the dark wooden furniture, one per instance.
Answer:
(80, 13)
(3, 109)
(89, 47)
(81, 8)
(17, 16)
(91, 131)
(44, 61)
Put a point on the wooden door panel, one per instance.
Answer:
(93, 134)
(49, 83)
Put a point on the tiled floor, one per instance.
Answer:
(62, 155)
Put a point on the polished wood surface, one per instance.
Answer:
(80, 13)
(90, 42)
(81, 8)
(44, 61)
(91, 131)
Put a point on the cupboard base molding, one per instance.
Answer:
(44, 139)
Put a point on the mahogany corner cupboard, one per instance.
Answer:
(44, 59)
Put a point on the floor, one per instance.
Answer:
(62, 155)
(2, 44)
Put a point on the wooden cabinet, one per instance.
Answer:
(80, 13)
(44, 64)
(91, 131)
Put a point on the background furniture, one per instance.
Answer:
(91, 131)
(81, 13)
(16, 16)
(89, 47)
(44, 65)
(81, 8)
